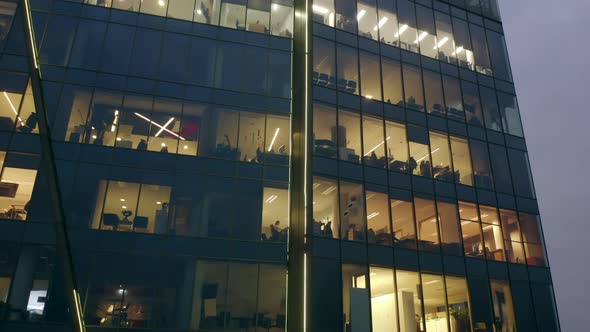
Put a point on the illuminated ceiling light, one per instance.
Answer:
(329, 190)
(369, 96)
(123, 207)
(331, 19)
(122, 199)
(431, 282)
(158, 125)
(275, 7)
(315, 185)
(360, 15)
(185, 147)
(320, 9)
(271, 199)
(372, 215)
(381, 23)
(434, 151)
(273, 139)
(94, 136)
(164, 126)
(199, 11)
(158, 203)
(402, 29)
(458, 50)
(487, 227)
(485, 215)
(119, 139)
(13, 109)
(464, 222)
(115, 120)
(162, 3)
(441, 43)
(376, 146)
(163, 144)
(422, 36)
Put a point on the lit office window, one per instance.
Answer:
(482, 171)
(370, 76)
(471, 230)
(324, 131)
(503, 306)
(419, 163)
(352, 211)
(233, 14)
(258, 16)
(453, 99)
(134, 122)
(445, 39)
(472, 104)
(426, 32)
(17, 179)
(530, 225)
(387, 25)
(181, 9)
(326, 217)
(346, 15)
(379, 230)
(426, 224)
(409, 292)
(165, 126)
(355, 298)
(392, 82)
(397, 146)
(463, 173)
(433, 92)
(450, 234)
(512, 236)
(192, 115)
(17, 106)
(459, 304)
(154, 7)
(441, 157)
(435, 302)
(206, 11)
(407, 33)
(220, 135)
(374, 143)
(275, 214)
(349, 136)
(323, 12)
(402, 218)
(104, 118)
(348, 69)
(492, 233)
(281, 20)
(463, 50)
(324, 63)
(480, 49)
(367, 19)
(131, 5)
(8, 10)
(278, 138)
(414, 96)
(251, 139)
(383, 299)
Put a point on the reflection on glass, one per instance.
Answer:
(258, 16)
(446, 42)
(323, 12)
(346, 15)
(530, 225)
(370, 76)
(352, 210)
(453, 100)
(349, 136)
(441, 157)
(512, 237)
(392, 82)
(433, 92)
(463, 50)
(402, 218)
(426, 224)
(414, 96)
(471, 230)
(348, 70)
(367, 19)
(450, 235)
(461, 161)
(326, 218)
(419, 163)
(378, 218)
(397, 146)
(324, 63)
(387, 24)
(374, 143)
(503, 306)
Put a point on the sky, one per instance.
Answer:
(550, 56)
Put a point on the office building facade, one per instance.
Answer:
(264, 165)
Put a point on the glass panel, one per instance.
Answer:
(130, 5)
(192, 115)
(383, 299)
(349, 136)
(426, 32)
(397, 146)
(233, 14)
(154, 7)
(435, 303)
(10, 98)
(532, 237)
(427, 225)
(165, 125)
(241, 293)
(258, 16)
(459, 305)
(323, 12)
(446, 42)
(434, 92)
(449, 228)
(463, 50)
(278, 139)
(502, 180)
(324, 131)
(392, 82)
(181, 9)
(272, 297)
(281, 20)
(490, 108)
(441, 157)
(374, 144)
(27, 116)
(88, 45)
(513, 240)
(17, 185)
(461, 161)
(355, 298)
(120, 205)
(104, 118)
(419, 163)
(251, 139)
(220, 134)
(116, 52)
(481, 164)
(352, 209)
(379, 231)
(387, 25)
(494, 244)
(348, 70)
(470, 226)
(510, 114)
(153, 208)
(275, 214)
(367, 19)
(346, 15)
(370, 76)
(8, 10)
(58, 40)
(480, 48)
(413, 88)
(324, 64)
(453, 100)
(134, 123)
(499, 55)
(504, 319)
(408, 34)
(409, 295)
(472, 104)
(521, 173)
(207, 11)
(402, 217)
(326, 218)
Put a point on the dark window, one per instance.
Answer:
(59, 37)
(88, 44)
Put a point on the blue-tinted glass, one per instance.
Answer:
(175, 62)
(254, 70)
(279, 74)
(230, 62)
(202, 61)
(59, 37)
(117, 48)
(146, 53)
(88, 44)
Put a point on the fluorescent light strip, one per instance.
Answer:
(360, 15)
(381, 23)
(422, 36)
(402, 29)
(165, 126)
(372, 215)
(13, 109)
(435, 150)
(329, 190)
(32, 36)
(273, 139)
(271, 199)
(431, 282)
(315, 185)
(441, 43)
(458, 50)
(320, 10)
(158, 125)
(376, 147)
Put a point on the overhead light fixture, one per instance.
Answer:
(162, 3)
(487, 227)
(319, 9)
(275, 7)
(372, 215)
(123, 207)
(271, 199)
(158, 125)
(458, 50)
(329, 190)
(186, 147)
(115, 120)
(122, 199)
(369, 96)
(13, 108)
(431, 282)
(376, 146)
(163, 144)
(165, 126)
(441, 42)
(360, 15)
(315, 185)
(381, 23)
(273, 139)
(402, 29)
(420, 37)
(331, 19)
(119, 139)
(158, 203)
(434, 151)
(199, 11)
